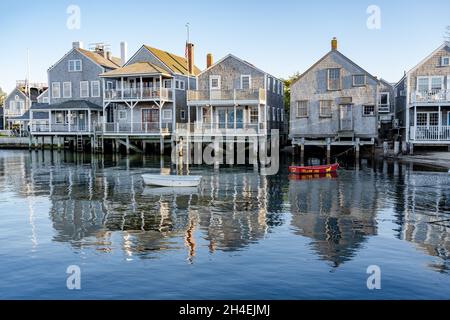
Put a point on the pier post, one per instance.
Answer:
(144, 146)
(357, 147)
(36, 144)
(92, 145)
(302, 149)
(128, 145)
(30, 143)
(411, 149)
(396, 148)
(51, 142)
(161, 146)
(43, 143)
(117, 145)
(328, 150)
(385, 149)
(58, 141)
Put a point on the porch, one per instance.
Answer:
(138, 82)
(235, 120)
(69, 118)
(430, 124)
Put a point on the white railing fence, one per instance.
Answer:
(430, 133)
(431, 96)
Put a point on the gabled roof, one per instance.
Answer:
(101, 60)
(239, 59)
(139, 68)
(326, 56)
(17, 91)
(175, 63)
(442, 46)
(95, 57)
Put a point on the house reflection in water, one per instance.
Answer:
(110, 208)
(337, 214)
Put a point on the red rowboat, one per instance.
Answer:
(314, 169)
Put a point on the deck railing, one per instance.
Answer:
(138, 94)
(431, 96)
(241, 128)
(430, 133)
(137, 127)
(55, 127)
(227, 95)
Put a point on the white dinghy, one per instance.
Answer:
(171, 181)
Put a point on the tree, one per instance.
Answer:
(287, 90)
(2, 97)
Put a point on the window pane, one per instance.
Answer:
(422, 85)
(436, 83)
(302, 108)
(334, 79)
(325, 108)
(245, 82)
(421, 119)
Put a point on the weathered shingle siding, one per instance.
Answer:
(313, 87)
(230, 71)
(90, 72)
(12, 97)
(400, 102)
(432, 67)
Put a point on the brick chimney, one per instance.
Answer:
(190, 57)
(209, 60)
(334, 44)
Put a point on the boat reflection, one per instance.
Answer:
(331, 175)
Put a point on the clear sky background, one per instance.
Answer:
(279, 36)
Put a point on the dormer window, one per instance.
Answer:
(359, 80)
(445, 61)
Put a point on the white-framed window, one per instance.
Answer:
(11, 105)
(268, 83)
(246, 82)
(274, 115)
(95, 89)
(369, 110)
(59, 118)
(426, 84)
(280, 87)
(21, 105)
(84, 89)
(123, 115)
(180, 85)
(67, 90)
(167, 114)
(302, 109)
(325, 108)
(214, 83)
(383, 101)
(75, 65)
(359, 80)
(182, 115)
(274, 86)
(167, 83)
(334, 79)
(56, 90)
(445, 61)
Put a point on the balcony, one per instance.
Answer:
(138, 94)
(60, 128)
(223, 129)
(431, 96)
(139, 128)
(226, 97)
(430, 133)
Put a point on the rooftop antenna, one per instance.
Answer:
(27, 81)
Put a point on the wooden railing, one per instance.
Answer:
(431, 96)
(430, 133)
(138, 94)
(258, 95)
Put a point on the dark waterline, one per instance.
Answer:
(239, 236)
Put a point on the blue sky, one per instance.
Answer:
(281, 37)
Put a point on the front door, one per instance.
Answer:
(346, 117)
(150, 119)
(82, 121)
